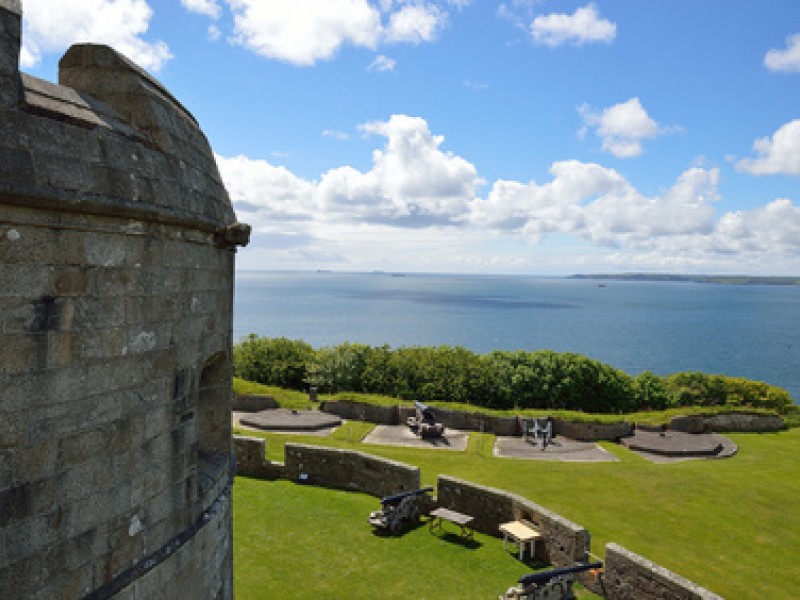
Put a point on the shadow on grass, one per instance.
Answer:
(454, 538)
(407, 527)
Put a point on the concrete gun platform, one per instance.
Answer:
(668, 446)
(289, 421)
(559, 449)
(400, 435)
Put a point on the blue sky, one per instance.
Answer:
(522, 136)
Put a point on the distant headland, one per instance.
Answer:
(717, 279)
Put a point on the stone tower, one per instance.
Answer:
(117, 244)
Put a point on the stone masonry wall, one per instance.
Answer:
(564, 543)
(251, 461)
(117, 244)
(727, 422)
(332, 467)
(629, 576)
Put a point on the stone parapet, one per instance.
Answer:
(728, 422)
(563, 543)
(253, 402)
(362, 411)
(592, 432)
(628, 576)
(250, 458)
(347, 469)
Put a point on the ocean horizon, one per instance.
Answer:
(665, 327)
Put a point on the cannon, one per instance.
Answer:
(396, 509)
(424, 423)
(555, 584)
(540, 431)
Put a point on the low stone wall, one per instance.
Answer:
(362, 411)
(473, 421)
(332, 467)
(466, 421)
(563, 542)
(251, 461)
(592, 432)
(628, 576)
(253, 402)
(727, 422)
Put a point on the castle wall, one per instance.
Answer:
(629, 576)
(333, 467)
(563, 542)
(117, 244)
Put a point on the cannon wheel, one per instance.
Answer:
(394, 526)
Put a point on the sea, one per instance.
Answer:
(750, 331)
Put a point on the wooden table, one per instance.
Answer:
(445, 514)
(520, 533)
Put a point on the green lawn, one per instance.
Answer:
(294, 541)
(728, 525)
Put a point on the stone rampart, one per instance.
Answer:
(253, 402)
(474, 421)
(353, 410)
(117, 244)
(251, 461)
(592, 432)
(347, 469)
(628, 576)
(728, 422)
(563, 542)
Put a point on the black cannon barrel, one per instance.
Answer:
(545, 576)
(398, 497)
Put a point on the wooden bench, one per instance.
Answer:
(445, 514)
(520, 532)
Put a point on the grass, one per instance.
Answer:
(294, 541)
(728, 525)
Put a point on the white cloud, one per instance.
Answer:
(475, 86)
(262, 193)
(415, 23)
(304, 31)
(210, 8)
(417, 207)
(622, 127)
(54, 25)
(787, 59)
(336, 135)
(584, 26)
(411, 179)
(770, 228)
(214, 32)
(382, 64)
(779, 155)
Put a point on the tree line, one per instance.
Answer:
(501, 379)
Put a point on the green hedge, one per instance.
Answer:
(501, 379)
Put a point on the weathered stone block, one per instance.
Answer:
(21, 244)
(24, 281)
(16, 166)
